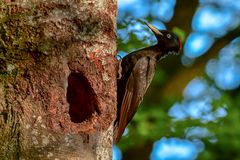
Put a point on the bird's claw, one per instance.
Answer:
(119, 75)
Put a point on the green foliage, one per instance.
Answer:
(181, 33)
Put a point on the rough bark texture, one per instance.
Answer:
(57, 79)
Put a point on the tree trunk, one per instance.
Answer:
(57, 79)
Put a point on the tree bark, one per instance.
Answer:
(57, 79)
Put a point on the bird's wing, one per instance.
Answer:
(126, 102)
(133, 95)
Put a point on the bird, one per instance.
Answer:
(137, 71)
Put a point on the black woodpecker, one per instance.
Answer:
(138, 69)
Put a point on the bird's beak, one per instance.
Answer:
(154, 29)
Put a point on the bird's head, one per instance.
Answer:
(168, 42)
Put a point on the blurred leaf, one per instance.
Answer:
(181, 33)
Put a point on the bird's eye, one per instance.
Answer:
(168, 35)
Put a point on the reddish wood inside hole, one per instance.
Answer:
(81, 98)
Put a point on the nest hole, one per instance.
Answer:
(81, 98)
